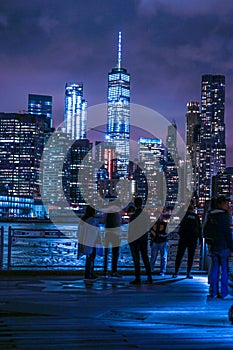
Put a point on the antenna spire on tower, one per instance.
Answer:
(119, 51)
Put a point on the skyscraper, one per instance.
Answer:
(193, 139)
(75, 114)
(75, 156)
(171, 166)
(21, 146)
(222, 184)
(41, 105)
(118, 118)
(55, 182)
(151, 157)
(171, 140)
(212, 134)
(106, 153)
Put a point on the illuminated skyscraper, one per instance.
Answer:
(212, 133)
(41, 105)
(76, 154)
(193, 139)
(106, 154)
(55, 182)
(192, 119)
(171, 140)
(151, 157)
(75, 114)
(171, 166)
(21, 146)
(118, 119)
(222, 184)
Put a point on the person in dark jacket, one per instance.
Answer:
(159, 243)
(139, 226)
(113, 227)
(220, 248)
(190, 233)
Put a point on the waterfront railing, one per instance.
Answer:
(50, 249)
(41, 248)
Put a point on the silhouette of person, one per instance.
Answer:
(112, 238)
(88, 233)
(138, 241)
(220, 248)
(189, 232)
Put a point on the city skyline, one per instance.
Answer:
(168, 46)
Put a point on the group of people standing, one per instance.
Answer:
(140, 226)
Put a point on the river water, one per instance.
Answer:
(32, 247)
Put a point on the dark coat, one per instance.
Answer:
(223, 238)
(158, 232)
(190, 228)
(139, 226)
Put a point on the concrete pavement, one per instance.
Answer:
(61, 311)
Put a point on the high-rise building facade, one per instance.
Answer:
(76, 154)
(41, 105)
(171, 140)
(21, 147)
(118, 110)
(151, 157)
(139, 180)
(212, 133)
(193, 140)
(105, 152)
(55, 180)
(75, 114)
(171, 166)
(222, 184)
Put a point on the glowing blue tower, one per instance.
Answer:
(75, 115)
(118, 120)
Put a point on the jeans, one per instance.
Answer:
(115, 256)
(113, 239)
(219, 259)
(155, 249)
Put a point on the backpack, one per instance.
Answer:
(210, 230)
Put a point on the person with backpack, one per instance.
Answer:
(189, 232)
(159, 243)
(218, 235)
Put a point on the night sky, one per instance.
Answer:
(167, 46)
